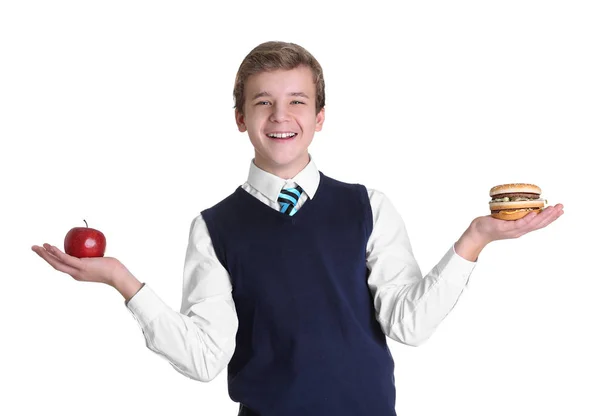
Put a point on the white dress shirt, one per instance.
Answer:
(199, 341)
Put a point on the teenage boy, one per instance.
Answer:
(293, 281)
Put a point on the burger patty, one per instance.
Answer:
(517, 195)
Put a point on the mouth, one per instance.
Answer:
(282, 136)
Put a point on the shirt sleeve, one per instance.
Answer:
(409, 307)
(198, 341)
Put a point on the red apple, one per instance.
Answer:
(85, 242)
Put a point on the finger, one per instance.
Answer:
(47, 254)
(44, 251)
(528, 222)
(65, 258)
(558, 208)
(531, 222)
(547, 216)
(550, 218)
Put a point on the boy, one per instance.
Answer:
(294, 280)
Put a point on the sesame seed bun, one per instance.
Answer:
(515, 188)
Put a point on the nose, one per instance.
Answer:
(279, 113)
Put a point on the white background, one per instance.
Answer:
(120, 113)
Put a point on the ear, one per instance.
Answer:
(240, 121)
(320, 119)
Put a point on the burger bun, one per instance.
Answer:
(510, 188)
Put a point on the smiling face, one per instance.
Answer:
(281, 119)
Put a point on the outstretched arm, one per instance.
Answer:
(410, 307)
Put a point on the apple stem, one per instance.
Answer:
(86, 224)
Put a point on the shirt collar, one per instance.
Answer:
(270, 185)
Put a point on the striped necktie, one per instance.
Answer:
(288, 199)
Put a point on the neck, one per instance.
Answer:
(287, 171)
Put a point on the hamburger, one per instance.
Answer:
(515, 200)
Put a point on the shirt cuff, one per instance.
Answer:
(138, 291)
(145, 305)
(456, 268)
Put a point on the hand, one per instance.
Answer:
(87, 269)
(490, 229)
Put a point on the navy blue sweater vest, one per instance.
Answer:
(308, 342)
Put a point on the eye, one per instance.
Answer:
(262, 103)
(299, 102)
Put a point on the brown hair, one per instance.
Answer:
(274, 55)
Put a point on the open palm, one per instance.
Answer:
(494, 229)
(86, 269)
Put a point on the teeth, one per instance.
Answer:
(281, 135)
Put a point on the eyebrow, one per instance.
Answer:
(292, 94)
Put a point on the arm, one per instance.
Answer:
(409, 307)
(200, 340)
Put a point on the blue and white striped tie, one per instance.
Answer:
(288, 199)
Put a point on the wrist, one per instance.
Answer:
(125, 283)
(471, 243)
